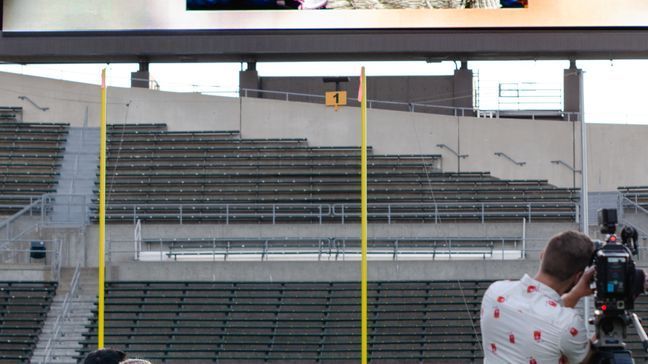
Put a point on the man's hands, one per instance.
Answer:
(580, 290)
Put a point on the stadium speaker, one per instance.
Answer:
(37, 250)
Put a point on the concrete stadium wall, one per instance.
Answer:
(120, 245)
(319, 271)
(614, 150)
(437, 90)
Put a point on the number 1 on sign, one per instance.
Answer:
(336, 99)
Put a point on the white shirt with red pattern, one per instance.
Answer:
(525, 322)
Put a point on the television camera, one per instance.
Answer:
(618, 283)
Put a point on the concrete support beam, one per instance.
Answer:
(572, 84)
(249, 79)
(142, 77)
(463, 86)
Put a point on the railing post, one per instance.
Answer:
(342, 207)
(389, 213)
(180, 214)
(395, 250)
(524, 239)
(529, 207)
(320, 214)
(449, 249)
(134, 215)
(577, 213)
(227, 214)
(274, 214)
(436, 214)
(319, 248)
(482, 212)
(42, 205)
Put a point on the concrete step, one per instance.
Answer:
(73, 327)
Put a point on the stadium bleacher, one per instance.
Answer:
(174, 322)
(156, 175)
(30, 157)
(186, 322)
(23, 310)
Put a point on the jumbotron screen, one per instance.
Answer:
(351, 4)
(343, 15)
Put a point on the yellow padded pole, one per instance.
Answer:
(102, 213)
(363, 219)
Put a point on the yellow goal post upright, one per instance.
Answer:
(362, 95)
(102, 215)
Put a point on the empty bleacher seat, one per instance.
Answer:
(30, 156)
(210, 176)
(178, 322)
(23, 310)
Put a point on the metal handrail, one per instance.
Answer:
(230, 212)
(463, 156)
(337, 247)
(560, 162)
(7, 223)
(410, 106)
(33, 103)
(23, 211)
(502, 154)
(74, 284)
(271, 210)
(341, 210)
(636, 205)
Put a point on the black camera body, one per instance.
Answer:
(618, 283)
(615, 278)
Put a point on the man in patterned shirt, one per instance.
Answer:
(533, 320)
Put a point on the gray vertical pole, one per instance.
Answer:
(584, 187)
(584, 183)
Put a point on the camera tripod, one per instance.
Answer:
(610, 330)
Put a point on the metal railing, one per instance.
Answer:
(320, 213)
(34, 208)
(626, 203)
(20, 251)
(403, 106)
(502, 154)
(52, 209)
(63, 315)
(631, 200)
(481, 211)
(327, 249)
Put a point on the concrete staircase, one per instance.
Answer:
(64, 347)
(78, 175)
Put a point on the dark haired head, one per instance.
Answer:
(105, 356)
(567, 254)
